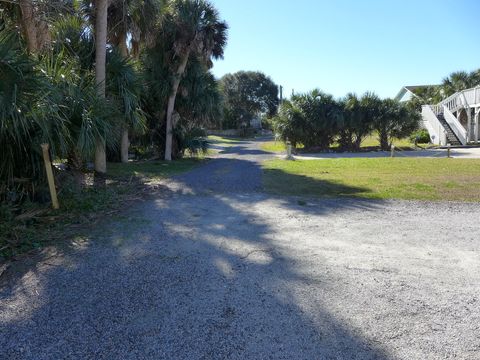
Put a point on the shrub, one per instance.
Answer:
(420, 137)
(313, 119)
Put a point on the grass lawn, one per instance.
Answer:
(225, 140)
(379, 178)
(274, 146)
(372, 141)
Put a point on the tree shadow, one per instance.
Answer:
(281, 182)
(186, 277)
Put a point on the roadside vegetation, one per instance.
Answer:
(33, 224)
(376, 178)
(369, 143)
(248, 96)
(114, 87)
(122, 91)
(320, 122)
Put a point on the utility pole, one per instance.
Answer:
(280, 88)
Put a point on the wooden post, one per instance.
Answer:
(448, 150)
(392, 151)
(289, 150)
(51, 181)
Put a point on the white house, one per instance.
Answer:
(454, 120)
(406, 93)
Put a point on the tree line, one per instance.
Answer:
(90, 77)
(317, 120)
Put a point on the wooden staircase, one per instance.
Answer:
(452, 138)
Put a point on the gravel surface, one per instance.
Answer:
(216, 269)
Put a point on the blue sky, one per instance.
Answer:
(345, 45)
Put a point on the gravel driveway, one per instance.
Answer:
(216, 269)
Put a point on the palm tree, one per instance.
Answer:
(195, 30)
(32, 18)
(100, 59)
(135, 19)
(460, 80)
(24, 125)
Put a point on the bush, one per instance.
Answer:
(313, 119)
(420, 137)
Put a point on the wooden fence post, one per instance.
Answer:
(51, 181)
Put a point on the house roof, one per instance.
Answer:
(410, 89)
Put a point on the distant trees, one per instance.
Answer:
(247, 94)
(317, 120)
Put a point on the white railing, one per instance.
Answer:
(452, 104)
(455, 125)
(436, 130)
(472, 96)
(462, 99)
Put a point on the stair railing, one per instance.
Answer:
(461, 99)
(433, 125)
(455, 125)
(450, 102)
(472, 96)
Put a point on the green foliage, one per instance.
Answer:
(198, 104)
(247, 94)
(455, 82)
(199, 100)
(358, 115)
(420, 137)
(316, 120)
(194, 141)
(394, 120)
(124, 87)
(193, 28)
(28, 117)
(460, 80)
(87, 117)
(313, 119)
(289, 124)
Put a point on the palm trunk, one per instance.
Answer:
(122, 44)
(100, 59)
(384, 140)
(124, 146)
(35, 29)
(28, 25)
(135, 49)
(171, 107)
(125, 143)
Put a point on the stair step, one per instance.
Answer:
(451, 136)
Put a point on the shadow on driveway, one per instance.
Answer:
(182, 277)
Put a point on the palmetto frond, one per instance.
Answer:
(28, 116)
(194, 27)
(124, 88)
